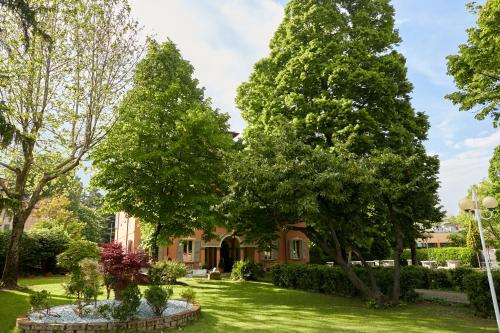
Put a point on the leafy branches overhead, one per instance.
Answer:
(26, 13)
(476, 67)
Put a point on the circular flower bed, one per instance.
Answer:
(65, 318)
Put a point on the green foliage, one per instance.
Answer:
(458, 275)
(104, 311)
(84, 283)
(466, 256)
(332, 139)
(333, 280)
(157, 298)
(130, 301)
(478, 290)
(163, 161)
(39, 300)
(189, 295)
(246, 270)
(60, 95)
(166, 272)
(77, 251)
(39, 250)
(476, 67)
(92, 278)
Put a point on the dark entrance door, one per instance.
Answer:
(210, 257)
(229, 253)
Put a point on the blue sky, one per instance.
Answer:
(224, 38)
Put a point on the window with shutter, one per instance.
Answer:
(187, 251)
(271, 252)
(297, 249)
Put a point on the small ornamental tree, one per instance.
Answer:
(122, 269)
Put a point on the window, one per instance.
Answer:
(187, 255)
(295, 249)
(271, 252)
(268, 254)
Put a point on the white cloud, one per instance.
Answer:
(484, 142)
(221, 38)
(468, 167)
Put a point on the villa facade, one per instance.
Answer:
(220, 253)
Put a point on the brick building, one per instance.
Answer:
(222, 252)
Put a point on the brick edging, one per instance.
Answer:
(24, 325)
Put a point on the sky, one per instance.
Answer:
(224, 38)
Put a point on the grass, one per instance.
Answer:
(260, 307)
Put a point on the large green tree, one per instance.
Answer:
(164, 159)
(476, 67)
(334, 76)
(59, 96)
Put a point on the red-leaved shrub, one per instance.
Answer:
(121, 269)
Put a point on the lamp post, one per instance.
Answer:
(469, 205)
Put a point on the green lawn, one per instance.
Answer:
(260, 307)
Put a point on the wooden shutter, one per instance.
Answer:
(290, 249)
(196, 252)
(160, 253)
(180, 251)
(303, 247)
(274, 251)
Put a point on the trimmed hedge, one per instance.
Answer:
(332, 280)
(478, 290)
(441, 254)
(39, 250)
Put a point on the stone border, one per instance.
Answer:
(24, 325)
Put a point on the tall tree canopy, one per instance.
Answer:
(164, 159)
(59, 96)
(476, 67)
(334, 77)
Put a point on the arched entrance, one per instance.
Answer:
(229, 253)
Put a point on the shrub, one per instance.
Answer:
(84, 284)
(157, 298)
(130, 301)
(91, 276)
(332, 280)
(440, 279)
(189, 295)
(247, 270)
(38, 251)
(166, 272)
(478, 290)
(77, 251)
(122, 269)
(39, 300)
(104, 311)
(440, 255)
(457, 276)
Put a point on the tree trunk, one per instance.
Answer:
(398, 247)
(11, 268)
(413, 249)
(155, 248)
(336, 252)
